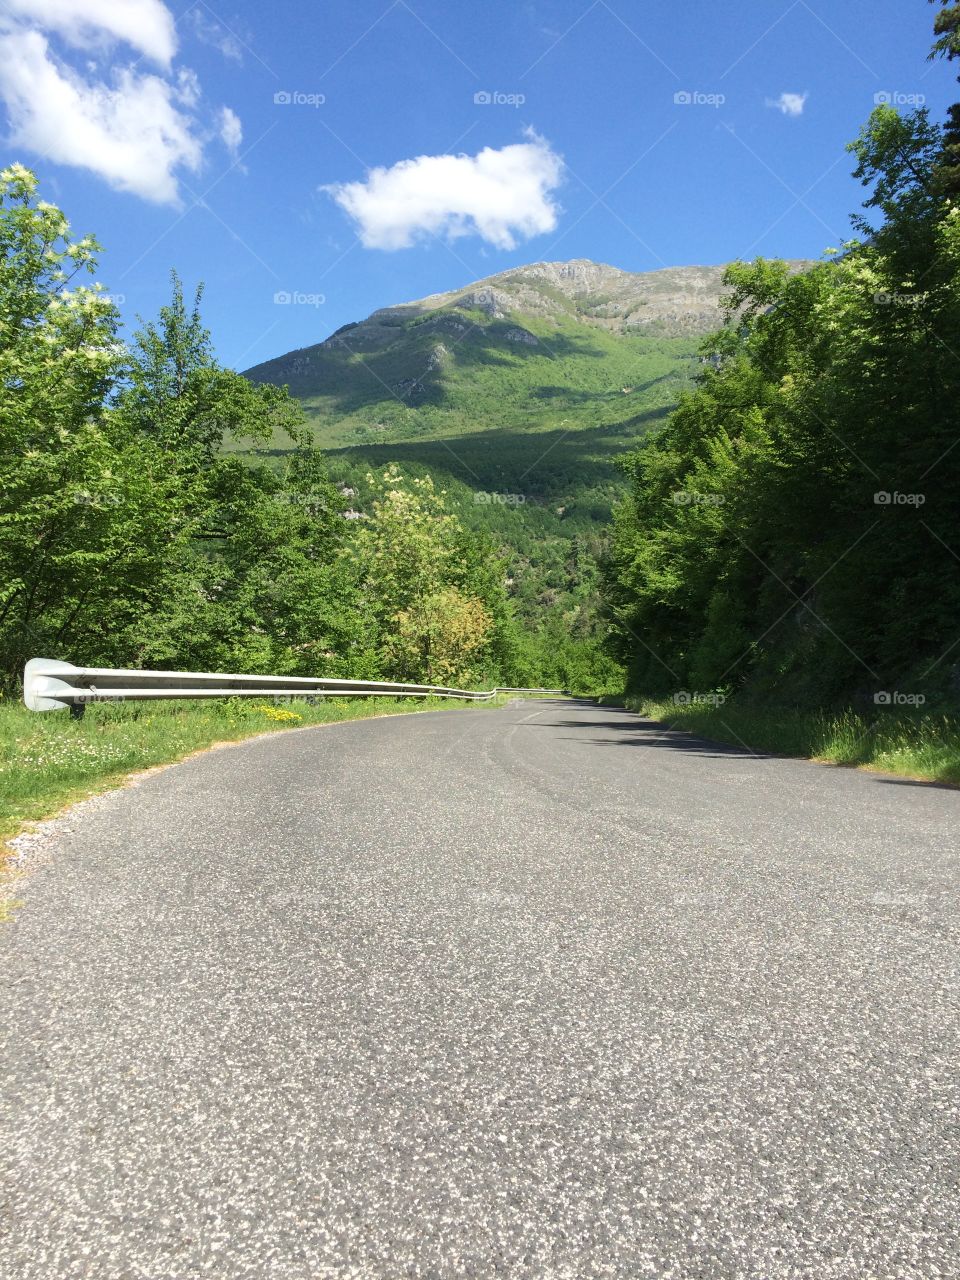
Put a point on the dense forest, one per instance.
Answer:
(141, 526)
(791, 533)
(131, 537)
(543, 502)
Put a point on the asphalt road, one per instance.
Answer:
(530, 992)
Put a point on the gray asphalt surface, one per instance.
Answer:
(530, 992)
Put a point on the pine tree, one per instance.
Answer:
(946, 28)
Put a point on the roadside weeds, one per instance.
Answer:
(921, 747)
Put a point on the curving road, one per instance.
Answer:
(541, 991)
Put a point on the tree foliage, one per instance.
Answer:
(129, 536)
(792, 529)
(947, 45)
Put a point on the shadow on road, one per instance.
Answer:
(648, 733)
(633, 731)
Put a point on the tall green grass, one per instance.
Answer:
(921, 745)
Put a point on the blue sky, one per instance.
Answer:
(313, 161)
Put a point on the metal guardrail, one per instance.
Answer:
(49, 685)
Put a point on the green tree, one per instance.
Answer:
(79, 523)
(947, 45)
(439, 638)
(752, 551)
(127, 535)
(433, 591)
(257, 584)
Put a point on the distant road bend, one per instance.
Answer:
(535, 992)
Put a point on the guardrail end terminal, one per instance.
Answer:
(41, 682)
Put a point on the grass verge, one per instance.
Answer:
(920, 745)
(48, 760)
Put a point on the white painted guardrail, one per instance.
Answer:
(49, 685)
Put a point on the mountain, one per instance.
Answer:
(555, 344)
(671, 303)
(517, 393)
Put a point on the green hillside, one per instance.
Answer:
(527, 384)
(553, 346)
(517, 393)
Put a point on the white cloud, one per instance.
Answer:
(131, 133)
(138, 131)
(147, 25)
(231, 130)
(210, 30)
(791, 104)
(502, 196)
(187, 91)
